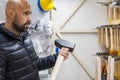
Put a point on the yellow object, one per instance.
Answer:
(118, 52)
(117, 77)
(47, 5)
(113, 52)
(114, 21)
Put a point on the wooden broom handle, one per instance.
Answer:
(57, 67)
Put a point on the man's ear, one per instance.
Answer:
(10, 13)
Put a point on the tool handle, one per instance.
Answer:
(57, 67)
(111, 38)
(106, 35)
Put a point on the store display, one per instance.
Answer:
(109, 36)
(43, 36)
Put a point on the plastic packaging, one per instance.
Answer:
(42, 32)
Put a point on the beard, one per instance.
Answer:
(20, 27)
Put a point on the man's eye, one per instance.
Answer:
(27, 13)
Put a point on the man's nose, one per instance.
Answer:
(29, 18)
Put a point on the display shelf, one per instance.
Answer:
(108, 67)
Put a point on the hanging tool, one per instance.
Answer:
(114, 40)
(107, 36)
(102, 36)
(107, 10)
(61, 43)
(110, 16)
(104, 71)
(106, 4)
(115, 11)
(111, 41)
(99, 35)
(117, 38)
(118, 13)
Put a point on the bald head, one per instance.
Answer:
(18, 14)
(15, 4)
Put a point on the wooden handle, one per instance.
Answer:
(115, 13)
(110, 16)
(106, 33)
(108, 68)
(107, 11)
(115, 67)
(111, 40)
(102, 36)
(112, 62)
(57, 67)
(99, 36)
(118, 13)
(117, 38)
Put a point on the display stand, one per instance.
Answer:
(108, 66)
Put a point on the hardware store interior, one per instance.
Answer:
(88, 28)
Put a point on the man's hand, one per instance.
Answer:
(64, 52)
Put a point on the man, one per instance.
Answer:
(18, 60)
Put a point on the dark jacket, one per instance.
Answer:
(18, 59)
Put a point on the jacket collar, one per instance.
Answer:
(10, 34)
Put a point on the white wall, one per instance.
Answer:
(89, 16)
